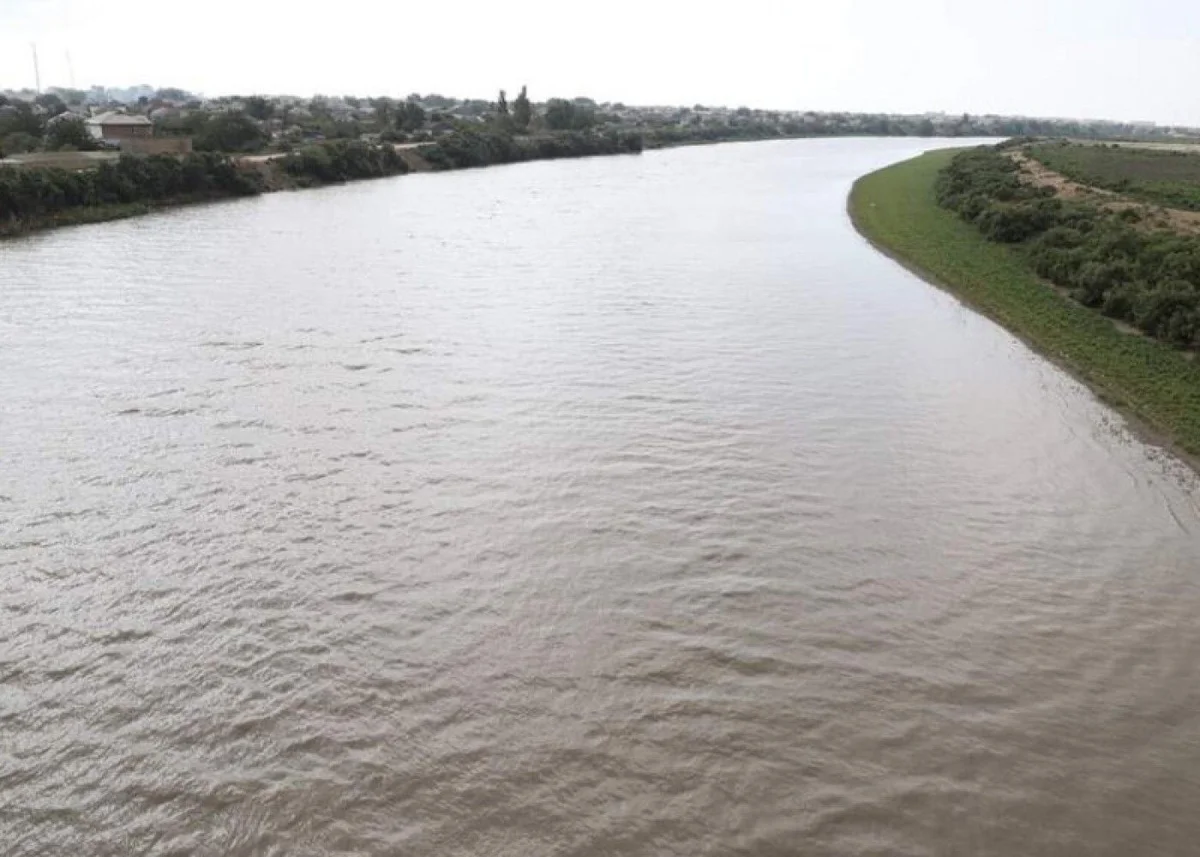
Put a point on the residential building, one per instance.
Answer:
(112, 128)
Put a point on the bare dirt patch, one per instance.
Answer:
(1154, 216)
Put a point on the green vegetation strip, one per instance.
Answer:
(896, 209)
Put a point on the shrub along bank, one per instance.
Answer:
(342, 160)
(33, 197)
(41, 198)
(482, 148)
(1147, 278)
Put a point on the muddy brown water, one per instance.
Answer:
(629, 505)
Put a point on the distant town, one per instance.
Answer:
(149, 120)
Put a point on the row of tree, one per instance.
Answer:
(343, 160)
(484, 146)
(28, 195)
(32, 196)
(1109, 260)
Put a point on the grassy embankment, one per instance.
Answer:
(896, 209)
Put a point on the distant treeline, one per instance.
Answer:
(1107, 259)
(680, 135)
(471, 148)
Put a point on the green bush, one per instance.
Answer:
(1106, 260)
(343, 160)
(27, 194)
(478, 148)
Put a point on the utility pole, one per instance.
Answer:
(37, 74)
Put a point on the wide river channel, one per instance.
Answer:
(621, 506)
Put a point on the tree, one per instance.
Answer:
(68, 133)
(383, 111)
(51, 102)
(19, 116)
(563, 115)
(18, 143)
(259, 107)
(522, 111)
(502, 104)
(230, 132)
(410, 116)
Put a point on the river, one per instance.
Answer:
(619, 506)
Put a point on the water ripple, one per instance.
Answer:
(575, 508)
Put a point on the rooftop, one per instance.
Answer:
(111, 118)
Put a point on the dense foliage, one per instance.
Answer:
(563, 115)
(478, 148)
(1107, 259)
(522, 110)
(897, 208)
(67, 134)
(32, 197)
(30, 194)
(1167, 177)
(342, 160)
(228, 132)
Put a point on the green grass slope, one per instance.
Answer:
(896, 210)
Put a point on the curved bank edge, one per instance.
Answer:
(1154, 386)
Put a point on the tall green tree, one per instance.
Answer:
(230, 132)
(19, 117)
(71, 133)
(502, 104)
(51, 102)
(258, 107)
(410, 116)
(522, 112)
(563, 115)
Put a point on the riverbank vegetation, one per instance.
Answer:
(1106, 259)
(982, 249)
(341, 160)
(35, 198)
(479, 148)
(44, 197)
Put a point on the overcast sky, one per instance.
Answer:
(1121, 59)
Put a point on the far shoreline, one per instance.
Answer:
(276, 180)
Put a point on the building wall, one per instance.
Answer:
(126, 132)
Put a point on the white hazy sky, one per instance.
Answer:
(1121, 59)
